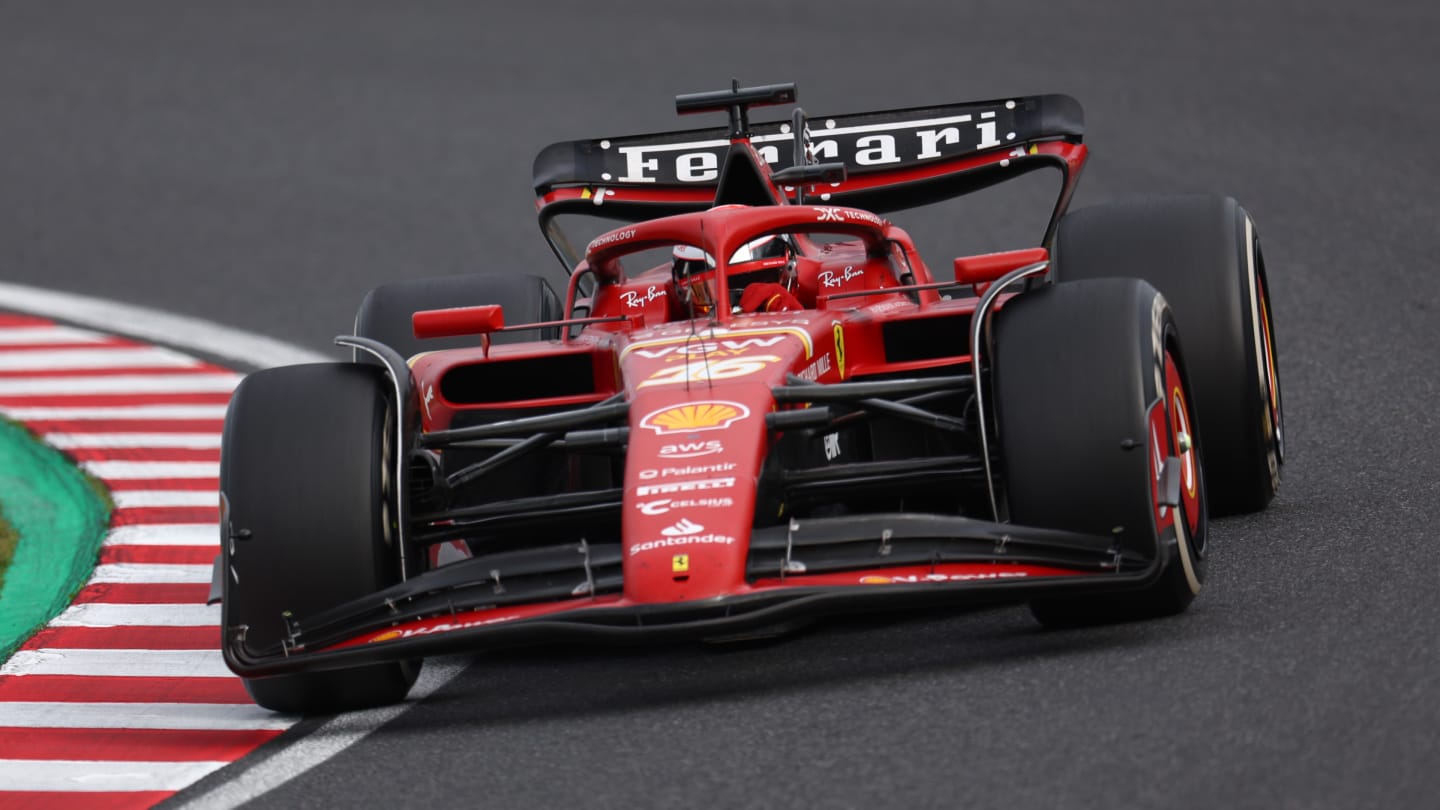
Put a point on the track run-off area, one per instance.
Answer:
(123, 699)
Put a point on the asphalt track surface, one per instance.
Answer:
(263, 164)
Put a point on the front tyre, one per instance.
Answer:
(307, 522)
(1093, 407)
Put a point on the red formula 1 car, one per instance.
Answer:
(755, 405)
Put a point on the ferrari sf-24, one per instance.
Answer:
(755, 405)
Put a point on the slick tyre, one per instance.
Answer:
(307, 506)
(1092, 408)
(1203, 253)
(385, 311)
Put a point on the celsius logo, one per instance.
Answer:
(664, 505)
(683, 526)
(692, 449)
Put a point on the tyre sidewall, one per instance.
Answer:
(300, 481)
(1079, 375)
(1202, 253)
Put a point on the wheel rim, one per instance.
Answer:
(1182, 446)
(1171, 436)
(1276, 417)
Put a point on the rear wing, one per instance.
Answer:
(894, 159)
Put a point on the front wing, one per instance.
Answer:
(797, 573)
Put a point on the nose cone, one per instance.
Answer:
(690, 480)
(697, 442)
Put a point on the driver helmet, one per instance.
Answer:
(766, 247)
(693, 271)
(771, 246)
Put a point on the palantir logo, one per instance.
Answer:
(682, 527)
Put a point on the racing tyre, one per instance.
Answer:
(385, 312)
(1203, 254)
(1092, 405)
(306, 522)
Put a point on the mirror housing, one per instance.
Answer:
(989, 267)
(457, 322)
(808, 175)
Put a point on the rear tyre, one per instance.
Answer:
(1091, 403)
(304, 475)
(385, 312)
(1203, 254)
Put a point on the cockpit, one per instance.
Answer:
(776, 259)
(766, 264)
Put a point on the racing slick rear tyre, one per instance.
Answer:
(385, 312)
(1091, 404)
(305, 486)
(1203, 254)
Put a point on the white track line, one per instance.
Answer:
(120, 384)
(156, 412)
(246, 348)
(159, 574)
(104, 614)
(133, 470)
(33, 335)
(86, 358)
(115, 441)
(118, 663)
(174, 534)
(211, 716)
(83, 776)
(132, 498)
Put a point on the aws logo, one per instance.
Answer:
(692, 449)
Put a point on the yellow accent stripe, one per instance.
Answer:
(726, 335)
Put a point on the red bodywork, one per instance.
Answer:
(699, 391)
(703, 417)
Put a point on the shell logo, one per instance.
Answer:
(388, 635)
(695, 416)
